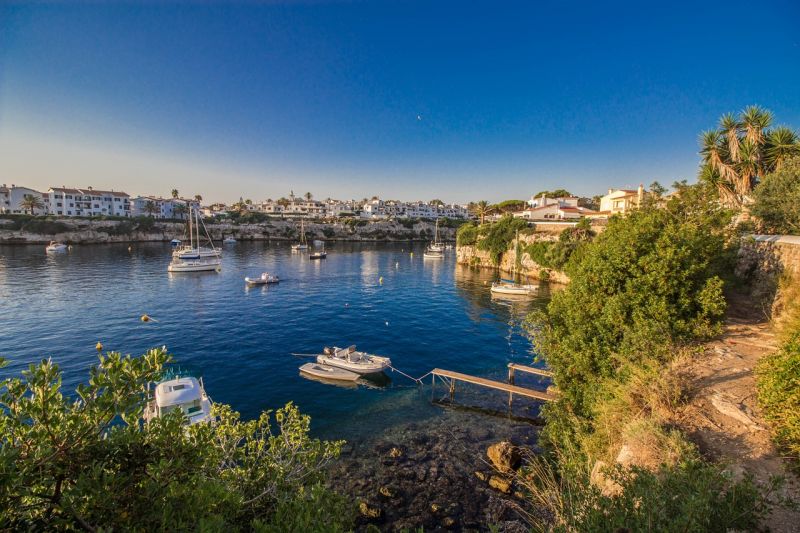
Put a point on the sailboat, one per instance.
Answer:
(319, 254)
(435, 250)
(302, 245)
(195, 258)
(511, 287)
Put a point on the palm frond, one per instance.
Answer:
(781, 144)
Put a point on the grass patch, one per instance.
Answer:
(779, 394)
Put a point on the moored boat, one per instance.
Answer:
(186, 394)
(196, 258)
(507, 286)
(263, 279)
(56, 247)
(229, 240)
(302, 245)
(354, 361)
(328, 372)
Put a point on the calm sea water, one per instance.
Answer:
(426, 314)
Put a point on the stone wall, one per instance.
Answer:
(85, 231)
(763, 259)
(471, 256)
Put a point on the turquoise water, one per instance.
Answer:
(426, 314)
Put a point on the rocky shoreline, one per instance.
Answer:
(437, 474)
(86, 231)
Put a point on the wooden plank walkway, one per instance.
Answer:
(527, 369)
(505, 387)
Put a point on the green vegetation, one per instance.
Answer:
(571, 245)
(495, 238)
(779, 394)
(640, 294)
(558, 193)
(742, 151)
(777, 199)
(509, 206)
(467, 234)
(35, 224)
(31, 203)
(87, 462)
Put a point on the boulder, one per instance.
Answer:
(504, 456)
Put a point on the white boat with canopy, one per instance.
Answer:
(263, 279)
(352, 360)
(302, 245)
(195, 258)
(186, 394)
(511, 287)
(56, 247)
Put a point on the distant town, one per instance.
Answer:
(90, 202)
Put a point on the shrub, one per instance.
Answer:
(779, 394)
(495, 238)
(86, 462)
(777, 199)
(467, 234)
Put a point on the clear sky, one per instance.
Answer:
(410, 100)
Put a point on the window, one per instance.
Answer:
(59, 204)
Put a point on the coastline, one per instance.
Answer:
(87, 231)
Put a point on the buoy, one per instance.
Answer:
(69, 247)
(380, 280)
(387, 322)
(146, 318)
(99, 346)
(397, 265)
(130, 248)
(347, 305)
(412, 254)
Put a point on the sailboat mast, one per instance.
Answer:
(191, 230)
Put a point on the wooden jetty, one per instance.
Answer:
(450, 377)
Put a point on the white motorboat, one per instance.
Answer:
(507, 286)
(511, 287)
(229, 240)
(431, 253)
(182, 393)
(263, 279)
(354, 361)
(328, 372)
(56, 247)
(302, 245)
(195, 258)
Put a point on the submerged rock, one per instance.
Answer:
(370, 511)
(500, 483)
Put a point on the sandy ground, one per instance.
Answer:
(722, 415)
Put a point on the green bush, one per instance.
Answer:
(648, 281)
(467, 234)
(779, 394)
(85, 461)
(495, 238)
(777, 199)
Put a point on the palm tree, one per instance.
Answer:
(31, 202)
(180, 211)
(150, 207)
(742, 151)
(198, 197)
(174, 193)
(482, 209)
(308, 196)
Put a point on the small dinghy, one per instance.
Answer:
(318, 255)
(328, 372)
(353, 361)
(263, 279)
(56, 247)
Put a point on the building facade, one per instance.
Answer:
(11, 200)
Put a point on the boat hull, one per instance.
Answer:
(376, 365)
(328, 372)
(194, 266)
(518, 291)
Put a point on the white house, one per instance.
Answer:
(621, 200)
(163, 207)
(11, 200)
(87, 202)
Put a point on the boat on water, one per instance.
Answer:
(229, 240)
(175, 243)
(56, 247)
(511, 287)
(186, 394)
(302, 245)
(328, 372)
(196, 258)
(320, 254)
(352, 360)
(435, 250)
(263, 279)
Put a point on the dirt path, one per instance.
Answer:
(722, 415)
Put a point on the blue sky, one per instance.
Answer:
(410, 100)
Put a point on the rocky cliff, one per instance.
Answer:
(84, 231)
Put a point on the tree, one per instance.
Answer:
(777, 199)
(282, 201)
(558, 193)
(174, 193)
(436, 202)
(84, 460)
(308, 196)
(31, 202)
(198, 197)
(481, 210)
(150, 207)
(741, 151)
(180, 210)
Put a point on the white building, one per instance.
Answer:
(377, 209)
(544, 208)
(11, 200)
(167, 208)
(87, 202)
(621, 200)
